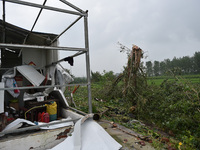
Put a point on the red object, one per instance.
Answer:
(15, 85)
(46, 117)
(75, 89)
(43, 117)
(32, 63)
(39, 117)
(16, 91)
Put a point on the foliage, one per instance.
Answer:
(105, 76)
(80, 80)
(196, 60)
(149, 70)
(156, 68)
(157, 80)
(96, 76)
(173, 105)
(185, 65)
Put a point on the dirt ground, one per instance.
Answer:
(126, 137)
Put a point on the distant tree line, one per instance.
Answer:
(97, 77)
(182, 66)
(105, 76)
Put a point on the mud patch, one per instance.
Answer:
(126, 137)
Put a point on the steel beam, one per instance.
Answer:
(42, 87)
(72, 6)
(77, 54)
(38, 16)
(17, 46)
(87, 63)
(46, 7)
(4, 23)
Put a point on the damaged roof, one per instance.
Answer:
(16, 35)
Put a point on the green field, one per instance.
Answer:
(173, 108)
(184, 78)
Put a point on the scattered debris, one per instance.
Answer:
(171, 133)
(63, 134)
(114, 125)
(125, 141)
(164, 140)
(142, 143)
(146, 138)
(137, 121)
(99, 100)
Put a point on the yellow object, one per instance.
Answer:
(51, 108)
(179, 145)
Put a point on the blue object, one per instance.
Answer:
(52, 117)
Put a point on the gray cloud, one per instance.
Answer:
(163, 29)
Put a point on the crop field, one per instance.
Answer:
(184, 79)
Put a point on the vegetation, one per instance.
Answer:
(172, 107)
(169, 105)
(157, 80)
(179, 66)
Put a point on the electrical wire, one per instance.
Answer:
(32, 109)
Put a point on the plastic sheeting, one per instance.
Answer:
(88, 136)
(9, 83)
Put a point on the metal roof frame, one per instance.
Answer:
(77, 11)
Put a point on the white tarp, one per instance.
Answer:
(88, 136)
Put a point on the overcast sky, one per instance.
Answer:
(162, 28)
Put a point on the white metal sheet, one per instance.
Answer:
(1, 97)
(19, 122)
(88, 136)
(31, 74)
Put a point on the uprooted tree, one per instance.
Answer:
(133, 77)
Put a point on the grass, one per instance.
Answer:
(170, 99)
(157, 80)
(118, 110)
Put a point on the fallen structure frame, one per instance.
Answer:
(32, 77)
(78, 12)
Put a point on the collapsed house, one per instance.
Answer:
(32, 86)
(21, 67)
